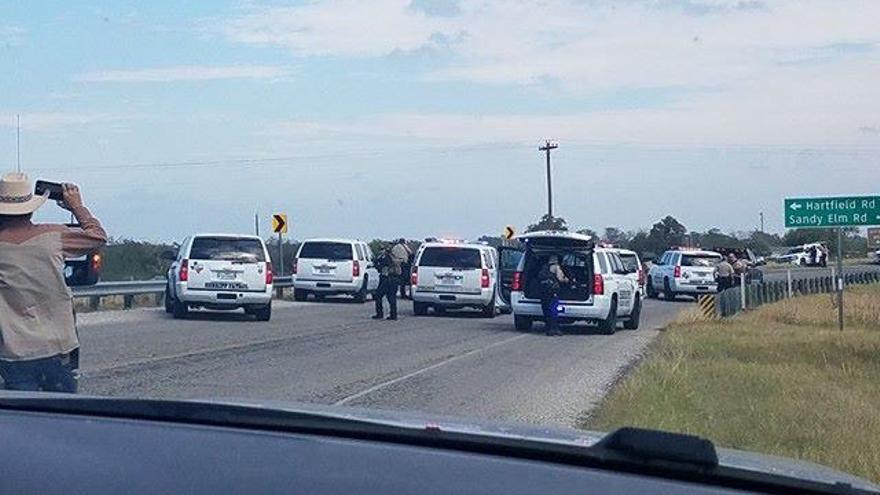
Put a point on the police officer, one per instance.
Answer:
(389, 276)
(551, 276)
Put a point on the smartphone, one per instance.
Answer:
(54, 188)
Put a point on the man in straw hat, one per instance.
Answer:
(37, 327)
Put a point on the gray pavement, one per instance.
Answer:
(333, 353)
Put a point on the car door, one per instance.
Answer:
(657, 272)
(509, 258)
(372, 272)
(625, 289)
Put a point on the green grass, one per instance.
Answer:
(780, 380)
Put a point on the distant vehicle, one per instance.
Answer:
(875, 257)
(222, 272)
(83, 270)
(801, 255)
(451, 275)
(601, 291)
(683, 271)
(325, 267)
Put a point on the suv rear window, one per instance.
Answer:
(451, 257)
(630, 262)
(699, 259)
(326, 251)
(227, 248)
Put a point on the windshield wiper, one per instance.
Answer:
(632, 450)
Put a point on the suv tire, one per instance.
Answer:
(179, 310)
(361, 295)
(649, 289)
(488, 310)
(632, 323)
(609, 325)
(420, 308)
(169, 302)
(522, 323)
(263, 313)
(667, 291)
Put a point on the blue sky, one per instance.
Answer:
(389, 117)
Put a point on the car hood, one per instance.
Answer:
(733, 458)
(222, 410)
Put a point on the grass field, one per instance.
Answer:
(781, 379)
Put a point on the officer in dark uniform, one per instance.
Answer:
(389, 275)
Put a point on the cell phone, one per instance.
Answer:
(54, 188)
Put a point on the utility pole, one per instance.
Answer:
(18, 142)
(257, 224)
(547, 148)
(762, 222)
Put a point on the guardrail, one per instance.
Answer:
(734, 300)
(129, 289)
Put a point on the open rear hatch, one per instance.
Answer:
(575, 255)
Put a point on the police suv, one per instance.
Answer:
(683, 271)
(451, 275)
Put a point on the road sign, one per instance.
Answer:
(279, 223)
(509, 232)
(849, 211)
(874, 238)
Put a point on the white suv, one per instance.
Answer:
(324, 267)
(601, 289)
(449, 275)
(220, 271)
(683, 271)
(633, 265)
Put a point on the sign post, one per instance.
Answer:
(279, 226)
(828, 212)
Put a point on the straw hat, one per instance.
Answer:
(17, 195)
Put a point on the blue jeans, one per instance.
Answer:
(51, 374)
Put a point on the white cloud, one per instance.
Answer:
(43, 121)
(12, 35)
(186, 73)
(785, 72)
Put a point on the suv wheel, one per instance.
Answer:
(179, 309)
(649, 289)
(263, 313)
(609, 325)
(489, 309)
(667, 291)
(361, 295)
(632, 323)
(300, 295)
(522, 323)
(169, 303)
(420, 308)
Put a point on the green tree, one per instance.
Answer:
(616, 236)
(665, 233)
(588, 231)
(548, 222)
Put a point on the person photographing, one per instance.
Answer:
(39, 347)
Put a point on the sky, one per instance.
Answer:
(418, 118)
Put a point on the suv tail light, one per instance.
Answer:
(517, 281)
(294, 267)
(414, 277)
(183, 273)
(484, 279)
(355, 268)
(598, 284)
(641, 277)
(677, 272)
(270, 276)
(96, 262)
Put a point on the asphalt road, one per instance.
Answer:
(779, 273)
(333, 353)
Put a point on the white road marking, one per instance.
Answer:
(418, 372)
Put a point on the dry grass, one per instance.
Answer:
(781, 380)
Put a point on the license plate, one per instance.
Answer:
(225, 285)
(225, 275)
(323, 271)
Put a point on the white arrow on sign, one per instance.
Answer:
(796, 206)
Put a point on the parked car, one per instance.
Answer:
(683, 271)
(802, 255)
(601, 291)
(221, 272)
(325, 267)
(452, 275)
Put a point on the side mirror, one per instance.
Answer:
(169, 255)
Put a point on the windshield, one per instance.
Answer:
(326, 251)
(450, 257)
(419, 206)
(220, 248)
(630, 262)
(700, 259)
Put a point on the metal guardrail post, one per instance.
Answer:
(788, 274)
(127, 301)
(742, 291)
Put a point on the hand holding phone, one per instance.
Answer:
(56, 190)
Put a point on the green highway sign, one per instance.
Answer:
(849, 211)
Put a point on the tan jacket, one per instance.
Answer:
(36, 306)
